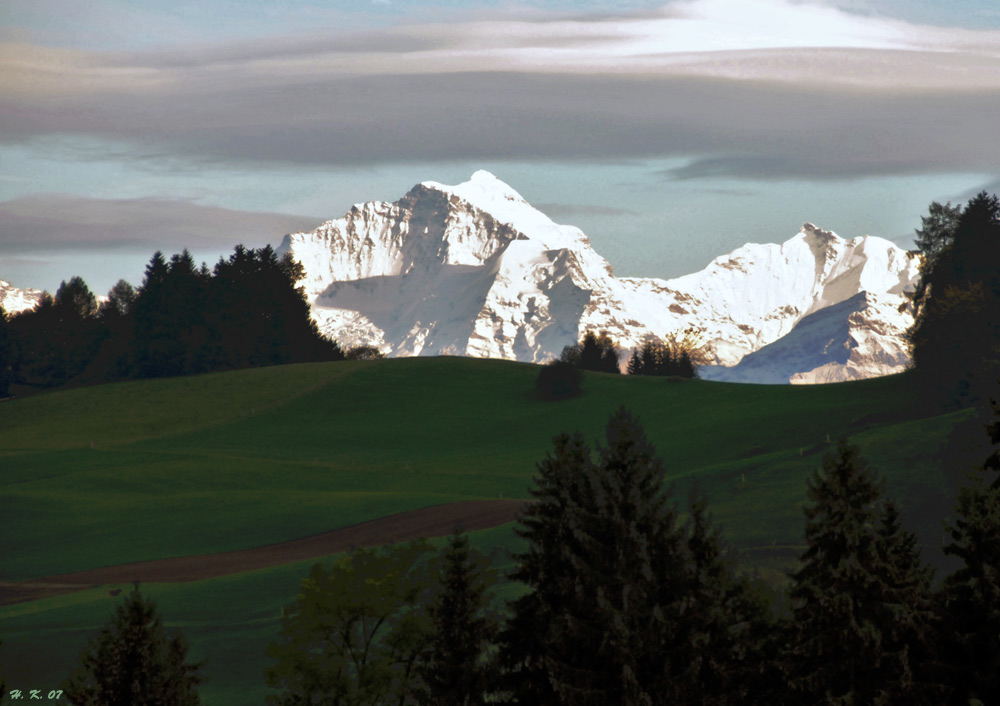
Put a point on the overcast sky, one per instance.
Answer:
(670, 132)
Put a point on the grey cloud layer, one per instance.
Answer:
(54, 222)
(386, 98)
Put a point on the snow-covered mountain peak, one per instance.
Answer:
(485, 192)
(817, 233)
(14, 300)
(474, 269)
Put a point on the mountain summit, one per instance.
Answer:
(14, 300)
(475, 270)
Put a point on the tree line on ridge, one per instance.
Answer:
(182, 320)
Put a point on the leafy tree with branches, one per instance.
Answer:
(132, 662)
(356, 634)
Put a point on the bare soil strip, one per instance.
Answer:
(435, 521)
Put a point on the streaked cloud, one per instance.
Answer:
(571, 211)
(60, 223)
(746, 88)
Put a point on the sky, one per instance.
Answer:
(670, 132)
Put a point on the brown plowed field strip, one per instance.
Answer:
(435, 521)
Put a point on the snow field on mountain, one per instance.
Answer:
(475, 270)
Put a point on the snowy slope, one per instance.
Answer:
(14, 300)
(860, 337)
(474, 269)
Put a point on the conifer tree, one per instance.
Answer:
(6, 355)
(908, 620)
(3, 682)
(993, 430)
(860, 600)
(606, 565)
(675, 357)
(545, 566)
(594, 352)
(730, 650)
(955, 337)
(970, 597)
(455, 670)
(133, 663)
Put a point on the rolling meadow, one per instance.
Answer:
(154, 469)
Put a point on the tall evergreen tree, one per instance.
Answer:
(596, 352)
(993, 430)
(675, 357)
(908, 622)
(955, 337)
(455, 669)
(547, 525)
(970, 597)
(171, 336)
(132, 662)
(613, 612)
(861, 597)
(936, 232)
(78, 331)
(728, 627)
(6, 355)
(58, 339)
(114, 359)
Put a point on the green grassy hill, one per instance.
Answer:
(144, 470)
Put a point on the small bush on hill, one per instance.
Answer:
(364, 353)
(559, 380)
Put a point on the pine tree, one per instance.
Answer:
(955, 337)
(606, 564)
(970, 597)
(545, 566)
(908, 620)
(728, 628)
(675, 357)
(594, 352)
(685, 366)
(455, 671)
(3, 682)
(859, 599)
(6, 355)
(133, 663)
(993, 430)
